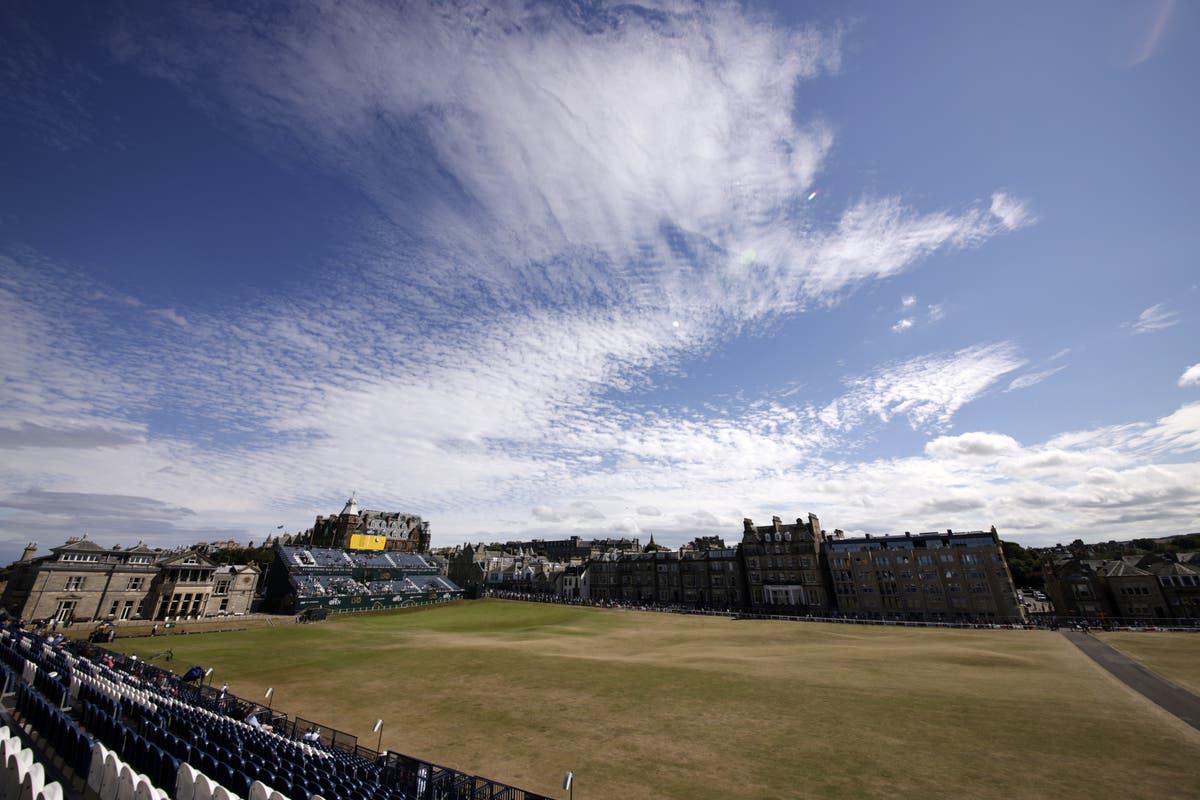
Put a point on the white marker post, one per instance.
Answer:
(569, 784)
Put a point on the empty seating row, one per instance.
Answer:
(56, 729)
(130, 746)
(110, 778)
(22, 777)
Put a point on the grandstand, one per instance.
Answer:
(78, 722)
(330, 579)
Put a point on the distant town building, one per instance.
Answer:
(927, 576)
(708, 578)
(783, 564)
(1149, 586)
(573, 547)
(782, 568)
(353, 529)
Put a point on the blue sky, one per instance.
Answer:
(549, 269)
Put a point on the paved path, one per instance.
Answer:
(1175, 699)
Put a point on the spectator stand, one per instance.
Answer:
(116, 728)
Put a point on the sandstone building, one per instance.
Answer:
(81, 581)
(783, 564)
(927, 576)
(353, 529)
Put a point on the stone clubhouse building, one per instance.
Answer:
(81, 581)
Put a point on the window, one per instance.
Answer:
(66, 609)
(968, 558)
(135, 584)
(222, 588)
(74, 584)
(925, 560)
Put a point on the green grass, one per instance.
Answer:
(1175, 656)
(667, 706)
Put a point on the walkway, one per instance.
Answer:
(1162, 692)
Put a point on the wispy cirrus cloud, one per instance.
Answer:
(1011, 213)
(927, 390)
(1032, 378)
(1155, 318)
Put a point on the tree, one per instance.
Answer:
(1024, 564)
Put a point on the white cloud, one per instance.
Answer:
(1032, 378)
(936, 312)
(676, 177)
(1190, 376)
(547, 514)
(928, 390)
(908, 301)
(1155, 318)
(1154, 33)
(705, 520)
(626, 527)
(902, 325)
(876, 238)
(170, 315)
(971, 444)
(1011, 213)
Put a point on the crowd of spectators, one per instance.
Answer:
(1048, 622)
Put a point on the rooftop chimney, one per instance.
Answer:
(30, 549)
